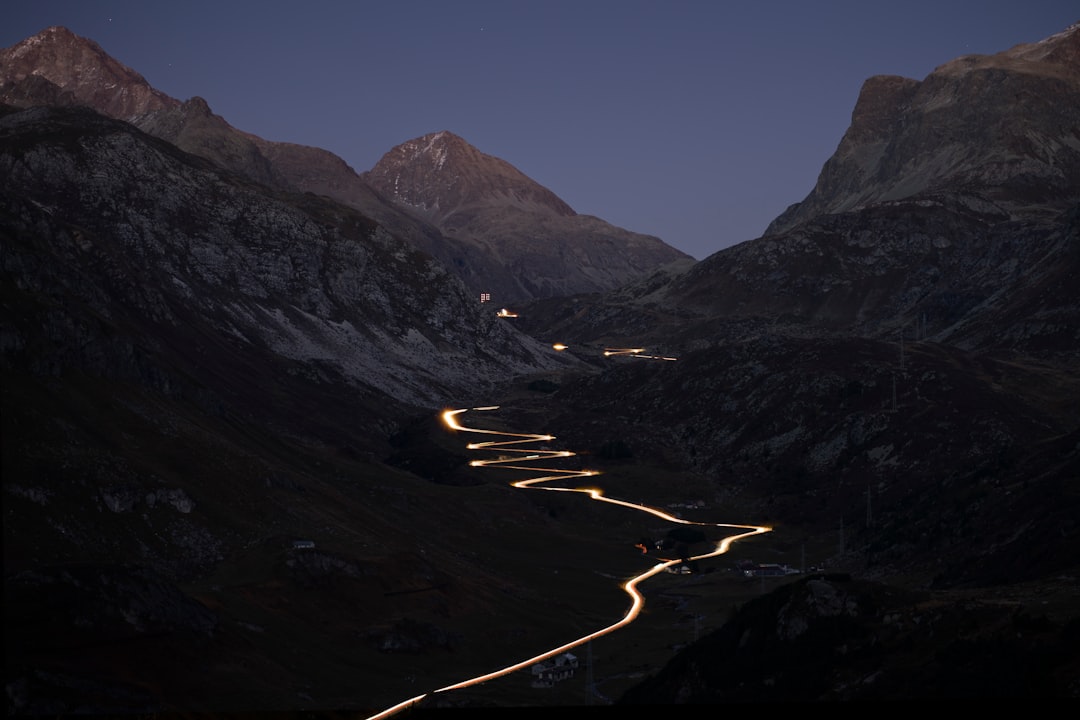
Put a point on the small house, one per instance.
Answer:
(548, 672)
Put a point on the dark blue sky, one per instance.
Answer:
(698, 122)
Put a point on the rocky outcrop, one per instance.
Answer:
(1001, 127)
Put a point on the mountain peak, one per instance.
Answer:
(998, 125)
(495, 210)
(80, 68)
(440, 175)
(1057, 55)
(435, 148)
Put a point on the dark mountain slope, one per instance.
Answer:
(927, 268)
(888, 377)
(297, 276)
(831, 638)
(196, 372)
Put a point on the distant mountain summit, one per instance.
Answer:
(493, 227)
(1002, 126)
(60, 67)
(446, 179)
(487, 203)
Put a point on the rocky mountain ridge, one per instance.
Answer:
(948, 212)
(493, 252)
(296, 276)
(1001, 127)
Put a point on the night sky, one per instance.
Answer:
(697, 122)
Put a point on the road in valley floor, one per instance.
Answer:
(515, 452)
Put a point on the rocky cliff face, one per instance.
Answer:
(1003, 127)
(949, 212)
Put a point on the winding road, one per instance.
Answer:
(634, 352)
(511, 444)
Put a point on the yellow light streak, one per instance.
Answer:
(635, 353)
(637, 601)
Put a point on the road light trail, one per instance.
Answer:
(633, 352)
(511, 446)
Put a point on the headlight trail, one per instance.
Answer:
(512, 446)
(634, 352)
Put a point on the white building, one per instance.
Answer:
(548, 672)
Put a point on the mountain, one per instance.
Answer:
(949, 212)
(893, 364)
(298, 276)
(1002, 128)
(226, 487)
(491, 205)
(197, 371)
(512, 253)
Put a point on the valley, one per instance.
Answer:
(664, 609)
(283, 437)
